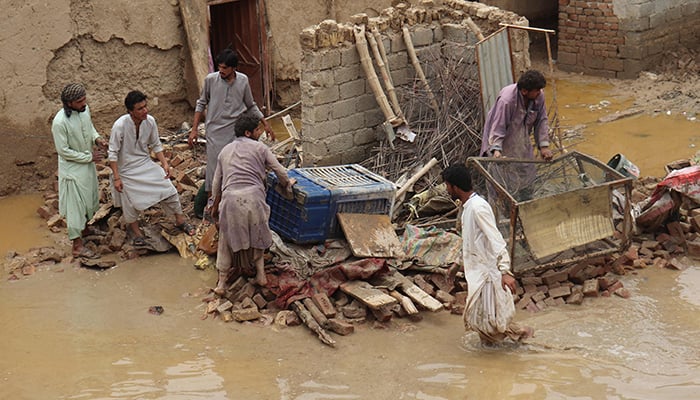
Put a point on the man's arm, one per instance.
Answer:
(115, 144)
(198, 111)
(60, 139)
(500, 117)
(542, 129)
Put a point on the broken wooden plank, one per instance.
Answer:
(417, 294)
(311, 323)
(315, 312)
(367, 294)
(371, 235)
(194, 18)
(405, 302)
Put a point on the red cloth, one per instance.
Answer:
(288, 287)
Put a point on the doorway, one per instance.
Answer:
(240, 24)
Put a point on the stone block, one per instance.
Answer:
(246, 314)
(553, 276)
(340, 327)
(575, 298)
(591, 288)
(559, 291)
(454, 32)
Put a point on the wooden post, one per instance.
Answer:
(366, 61)
(419, 70)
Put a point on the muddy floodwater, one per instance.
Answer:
(73, 333)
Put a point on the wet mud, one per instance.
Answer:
(75, 333)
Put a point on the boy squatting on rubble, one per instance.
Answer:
(138, 183)
(490, 284)
(238, 190)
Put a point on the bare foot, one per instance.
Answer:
(528, 332)
(261, 279)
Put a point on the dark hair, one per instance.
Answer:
(132, 98)
(246, 123)
(458, 175)
(227, 57)
(532, 80)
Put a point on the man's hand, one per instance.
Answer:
(546, 153)
(102, 143)
(97, 154)
(192, 137)
(166, 168)
(507, 280)
(118, 185)
(497, 154)
(269, 131)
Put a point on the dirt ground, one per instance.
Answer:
(28, 159)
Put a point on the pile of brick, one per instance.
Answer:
(107, 232)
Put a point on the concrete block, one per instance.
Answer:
(326, 95)
(349, 57)
(365, 136)
(454, 32)
(373, 118)
(352, 89)
(346, 74)
(422, 36)
(343, 108)
(323, 59)
(352, 123)
(322, 130)
(356, 154)
(340, 142)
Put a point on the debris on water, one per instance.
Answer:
(155, 310)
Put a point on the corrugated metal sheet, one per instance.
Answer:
(495, 66)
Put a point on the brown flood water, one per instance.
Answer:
(649, 141)
(71, 333)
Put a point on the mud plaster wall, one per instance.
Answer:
(620, 38)
(341, 120)
(111, 46)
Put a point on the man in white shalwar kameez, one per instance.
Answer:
(74, 136)
(226, 96)
(490, 283)
(138, 182)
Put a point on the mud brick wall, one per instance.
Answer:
(618, 39)
(341, 120)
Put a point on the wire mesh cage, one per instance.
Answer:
(558, 212)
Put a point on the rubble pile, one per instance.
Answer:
(339, 295)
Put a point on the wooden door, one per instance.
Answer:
(239, 24)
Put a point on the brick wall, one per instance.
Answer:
(620, 38)
(341, 121)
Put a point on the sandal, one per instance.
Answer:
(139, 241)
(86, 253)
(188, 228)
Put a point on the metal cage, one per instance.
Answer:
(558, 212)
